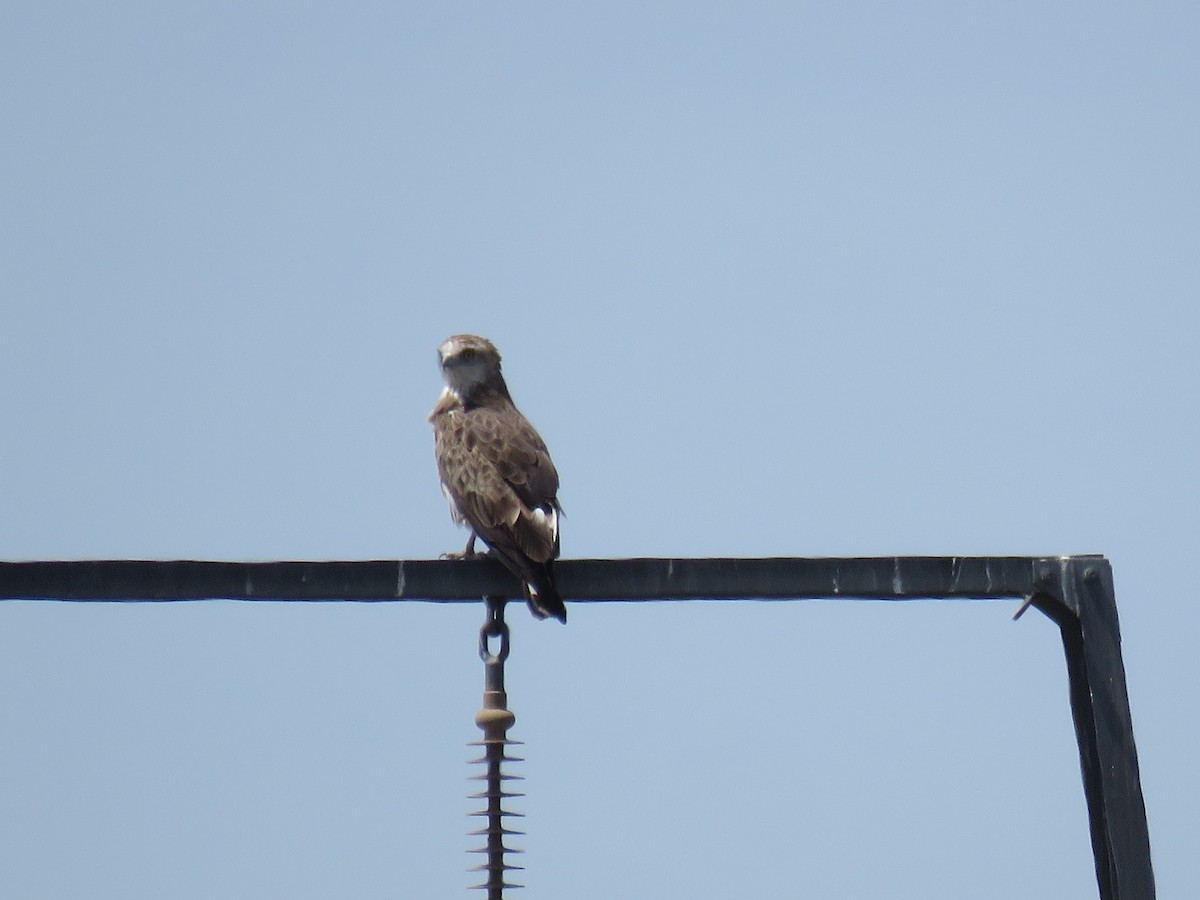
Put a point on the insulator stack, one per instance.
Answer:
(495, 718)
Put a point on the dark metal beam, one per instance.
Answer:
(1084, 605)
(442, 580)
(1076, 592)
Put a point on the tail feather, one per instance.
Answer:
(544, 599)
(537, 579)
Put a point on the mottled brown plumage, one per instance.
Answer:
(496, 471)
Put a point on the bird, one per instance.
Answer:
(496, 472)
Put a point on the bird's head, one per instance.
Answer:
(470, 362)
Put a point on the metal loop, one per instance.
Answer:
(494, 627)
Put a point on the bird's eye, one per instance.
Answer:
(468, 354)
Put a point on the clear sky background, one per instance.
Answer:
(770, 278)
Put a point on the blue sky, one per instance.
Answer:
(779, 279)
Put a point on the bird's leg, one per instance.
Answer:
(468, 553)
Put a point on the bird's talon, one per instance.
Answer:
(462, 554)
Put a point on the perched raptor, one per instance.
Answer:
(496, 471)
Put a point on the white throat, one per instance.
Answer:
(463, 378)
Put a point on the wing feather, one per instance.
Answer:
(500, 478)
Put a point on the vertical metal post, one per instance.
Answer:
(1086, 613)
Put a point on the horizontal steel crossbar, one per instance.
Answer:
(445, 580)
